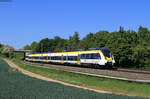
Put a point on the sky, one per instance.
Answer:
(25, 21)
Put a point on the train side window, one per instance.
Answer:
(82, 56)
(64, 57)
(27, 56)
(52, 58)
(88, 56)
(35, 57)
(40, 57)
(75, 58)
(95, 56)
(72, 58)
(55, 57)
(59, 58)
(49, 58)
(69, 58)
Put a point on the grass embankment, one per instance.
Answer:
(15, 85)
(130, 88)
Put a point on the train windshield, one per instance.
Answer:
(107, 53)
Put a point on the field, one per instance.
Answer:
(14, 85)
(92, 82)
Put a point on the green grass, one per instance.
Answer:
(131, 88)
(19, 55)
(14, 85)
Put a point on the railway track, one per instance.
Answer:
(122, 73)
(133, 71)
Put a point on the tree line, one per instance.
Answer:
(130, 48)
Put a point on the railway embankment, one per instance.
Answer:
(109, 85)
(119, 74)
(16, 85)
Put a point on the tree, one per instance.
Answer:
(59, 44)
(121, 44)
(88, 41)
(143, 35)
(27, 47)
(34, 47)
(101, 38)
(1, 48)
(121, 29)
(7, 51)
(74, 41)
(44, 45)
(1, 45)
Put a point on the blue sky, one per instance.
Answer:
(24, 21)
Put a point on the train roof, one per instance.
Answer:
(79, 50)
(89, 49)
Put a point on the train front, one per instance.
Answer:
(109, 59)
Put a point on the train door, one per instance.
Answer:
(62, 59)
(47, 58)
(78, 59)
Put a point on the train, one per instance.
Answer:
(101, 57)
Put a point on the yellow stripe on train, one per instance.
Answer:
(107, 58)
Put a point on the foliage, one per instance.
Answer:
(73, 42)
(1, 45)
(27, 47)
(130, 48)
(88, 41)
(7, 50)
